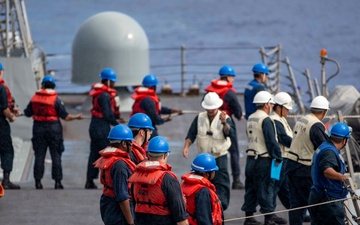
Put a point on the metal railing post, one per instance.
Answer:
(183, 48)
(294, 87)
(278, 66)
(310, 84)
(7, 28)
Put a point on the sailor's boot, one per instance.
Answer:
(269, 220)
(90, 185)
(7, 184)
(237, 184)
(38, 184)
(58, 185)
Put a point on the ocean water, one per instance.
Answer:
(302, 27)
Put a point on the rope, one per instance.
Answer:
(288, 210)
(329, 117)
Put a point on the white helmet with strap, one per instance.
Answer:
(284, 99)
(320, 102)
(263, 97)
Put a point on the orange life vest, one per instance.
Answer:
(11, 100)
(1, 191)
(221, 87)
(109, 156)
(139, 152)
(148, 195)
(96, 90)
(190, 186)
(139, 94)
(43, 105)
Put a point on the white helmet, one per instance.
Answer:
(211, 101)
(263, 97)
(320, 102)
(284, 99)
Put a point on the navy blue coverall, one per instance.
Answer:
(299, 176)
(148, 105)
(251, 89)
(48, 134)
(221, 179)
(6, 147)
(110, 210)
(99, 130)
(282, 185)
(231, 99)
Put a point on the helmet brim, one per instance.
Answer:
(212, 107)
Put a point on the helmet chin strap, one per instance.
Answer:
(346, 140)
(144, 138)
(281, 108)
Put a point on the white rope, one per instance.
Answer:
(330, 116)
(288, 210)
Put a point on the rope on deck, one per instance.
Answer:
(288, 210)
(329, 117)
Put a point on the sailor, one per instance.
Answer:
(141, 127)
(202, 202)
(116, 167)
(262, 149)
(156, 190)
(7, 111)
(328, 176)
(309, 133)
(104, 113)
(46, 109)
(146, 101)
(212, 129)
(224, 88)
(327, 172)
(283, 104)
(260, 71)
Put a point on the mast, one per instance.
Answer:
(15, 36)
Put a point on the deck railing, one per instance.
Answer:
(183, 67)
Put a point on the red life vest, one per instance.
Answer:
(221, 87)
(143, 92)
(96, 90)
(148, 195)
(10, 99)
(139, 152)
(190, 186)
(43, 105)
(109, 156)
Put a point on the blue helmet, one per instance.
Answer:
(140, 120)
(341, 130)
(1, 66)
(121, 132)
(260, 68)
(48, 78)
(150, 80)
(204, 162)
(108, 74)
(227, 71)
(158, 144)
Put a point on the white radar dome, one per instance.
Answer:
(110, 39)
